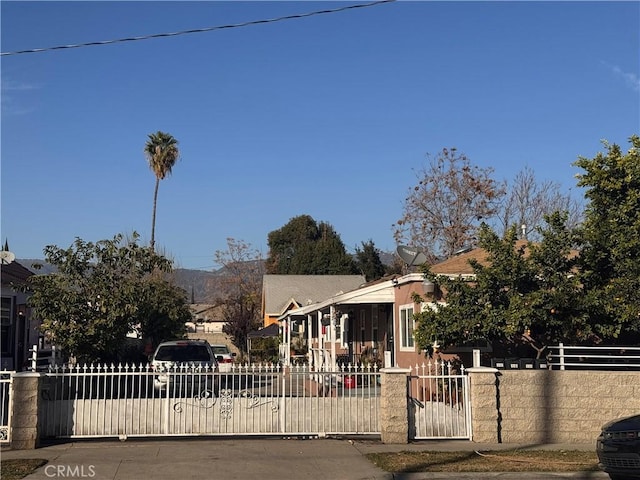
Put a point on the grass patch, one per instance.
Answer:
(495, 461)
(17, 468)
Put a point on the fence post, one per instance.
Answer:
(25, 431)
(486, 419)
(394, 420)
(561, 354)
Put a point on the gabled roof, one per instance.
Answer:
(14, 273)
(382, 291)
(281, 291)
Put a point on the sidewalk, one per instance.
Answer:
(246, 458)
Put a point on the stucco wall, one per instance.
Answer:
(549, 406)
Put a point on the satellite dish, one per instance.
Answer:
(6, 257)
(462, 250)
(411, 256)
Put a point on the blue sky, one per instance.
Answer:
(329, 115)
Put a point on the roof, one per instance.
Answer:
(280, 291)
(382, 291)
(459, 264)
(270, 331)
(14, 273)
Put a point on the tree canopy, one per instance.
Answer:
(243, 272)
(575, 285)
(305, 247)
(102, 291)
(526, 294)
(368, 261)
(161, 151)
(610, 238)
(443, 212)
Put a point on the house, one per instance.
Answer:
(372, 323)
(206, 318)
(18, 332)
(281, 293)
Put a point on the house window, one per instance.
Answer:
(407, 324)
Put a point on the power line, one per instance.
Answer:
(198, 30)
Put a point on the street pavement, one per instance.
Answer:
(259, 458)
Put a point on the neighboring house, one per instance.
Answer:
(206, 318)
(17, 333)
(281, 293)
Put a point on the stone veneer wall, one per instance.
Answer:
(394, 415)
(549, 406)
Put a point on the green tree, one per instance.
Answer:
(102, 291)
(526, 295)
(242, 283)
(304, 247)
(162, 154)
(368, 261)
(611, 239)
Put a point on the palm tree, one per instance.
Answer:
(162, 153)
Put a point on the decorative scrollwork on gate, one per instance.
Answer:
(226, 403)
(205, 399)
(252, 401)
(4, 433)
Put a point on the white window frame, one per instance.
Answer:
(407, 326)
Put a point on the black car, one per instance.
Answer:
(618, 448)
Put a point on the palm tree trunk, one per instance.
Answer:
(153, 216)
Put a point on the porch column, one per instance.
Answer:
(484, 395)
(25, 433)
(309, 337)
(287, 336)
(394, 413)
(332, 337)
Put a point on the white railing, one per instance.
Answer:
(6, 405)
(439, 401)
(42, 359)
(565, 357)
(259, 399)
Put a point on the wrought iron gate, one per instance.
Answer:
(6, 405)
(124, 401)
(439, 406)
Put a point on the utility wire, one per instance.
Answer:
(198, 30)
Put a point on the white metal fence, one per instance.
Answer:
(439, 405)
(126, 401)
(565, 357)
(6, 405)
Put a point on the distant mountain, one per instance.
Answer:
(201, 286)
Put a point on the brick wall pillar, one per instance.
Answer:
(485, 404)
(394, 415)
(25, 433)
